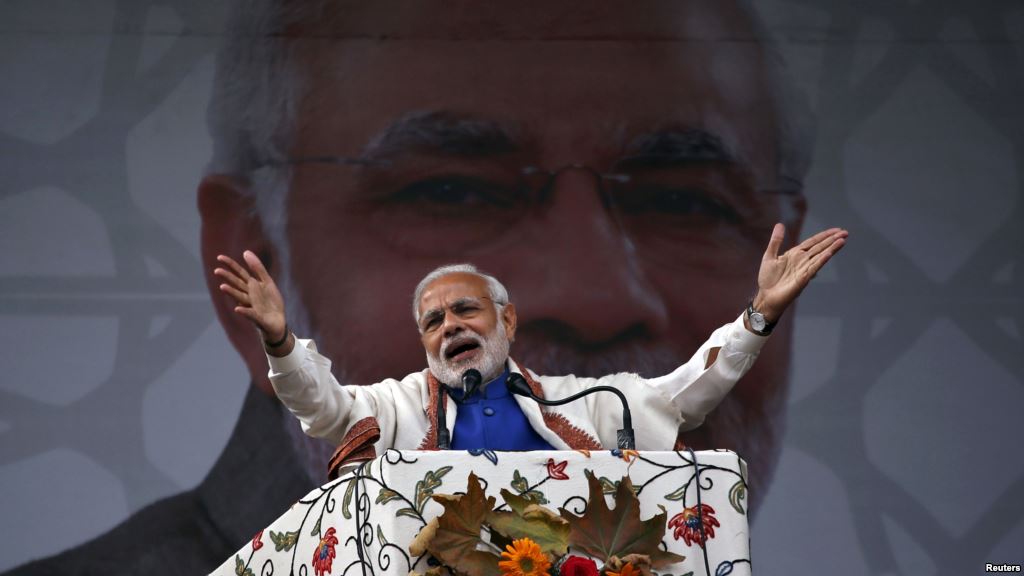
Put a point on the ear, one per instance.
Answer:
(231, 226)
(508, 317)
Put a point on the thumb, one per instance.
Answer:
(778, 235)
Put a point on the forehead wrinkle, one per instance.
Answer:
(439, 310)
(445, 133)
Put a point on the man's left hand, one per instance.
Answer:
(783, 277)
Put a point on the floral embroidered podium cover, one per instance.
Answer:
(364, 522)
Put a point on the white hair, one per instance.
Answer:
(496, 290)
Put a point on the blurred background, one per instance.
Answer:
(907, 381)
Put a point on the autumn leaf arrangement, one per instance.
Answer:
(473, 538)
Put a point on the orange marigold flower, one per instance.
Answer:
(523, 557)
(627, 570)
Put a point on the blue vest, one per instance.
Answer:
(492, 420)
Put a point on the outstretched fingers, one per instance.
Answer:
(822, 236)
(240, 296)
(256, 265)
(816, 262)
(237, 268)
(825, 243)
(231, 278)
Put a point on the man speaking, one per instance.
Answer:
(467, 322)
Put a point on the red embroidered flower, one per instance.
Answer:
(323, 556)
(577, 566)
(257, 543)
(557, 471)
(687, 525)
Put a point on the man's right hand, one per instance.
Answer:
(255, 293)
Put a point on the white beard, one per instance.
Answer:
(490, 363)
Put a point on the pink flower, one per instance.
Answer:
(557, 471)
(257, 543)
(687, 525)
(323, 556)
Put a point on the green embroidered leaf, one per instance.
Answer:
(316, 528)
(536, 496)
(284, 541)
(607, 486)
(519, 484)
(678, 494)
(602, 532)
(240, 569)
(387, 495)
(380, 536)
(347, 501)
(425, 488)
(410, 513)
(737, 494)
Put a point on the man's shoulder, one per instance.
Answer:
(568, 381)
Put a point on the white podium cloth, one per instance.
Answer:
(362, 523)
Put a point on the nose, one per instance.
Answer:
(452, 325)
(578, 272)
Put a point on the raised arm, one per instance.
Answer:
(699, 385)
(258, 299)
(783, 277)
(301, 377)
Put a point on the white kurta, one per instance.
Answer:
(405, 410)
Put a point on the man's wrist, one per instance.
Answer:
(279, 341)
(770, 314)
(756, 321)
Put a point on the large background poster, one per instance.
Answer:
(881, 422)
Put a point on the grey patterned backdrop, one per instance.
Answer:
(908, 382)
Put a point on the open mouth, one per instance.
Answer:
(462, 350)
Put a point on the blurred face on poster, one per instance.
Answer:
(616, 166)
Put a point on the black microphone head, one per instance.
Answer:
(470, 381)
(516, 384)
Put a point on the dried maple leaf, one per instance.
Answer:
(458, 532)
(420, 544)
(530, 520)
(602, 532)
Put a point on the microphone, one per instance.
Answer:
(625, 437)
(470, 382)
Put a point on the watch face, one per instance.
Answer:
(757, 321)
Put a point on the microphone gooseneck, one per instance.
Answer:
(444, 438)
(516, 384)
(471, 380)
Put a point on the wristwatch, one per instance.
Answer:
(758, 323)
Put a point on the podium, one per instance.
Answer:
(363, 522)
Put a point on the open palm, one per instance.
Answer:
(255, 293)
(783, 277)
